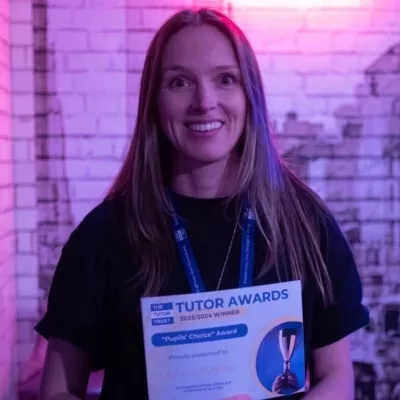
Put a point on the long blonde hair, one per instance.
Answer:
(288, 213)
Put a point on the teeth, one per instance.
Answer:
(205, 127)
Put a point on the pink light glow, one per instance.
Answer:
(299, 4)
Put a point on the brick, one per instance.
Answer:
(40, 40)
(134, 85)
(4, 33)
(139, 42)
(25, 219)
(132, 103)
(28, 308)
(25, 196)
(373, 127)
(5, 150)
(153, 18)
(80, 125)
(109, 105)
(312, 43)
(374, 168)
(78, 168)
(282, 84)
(338, 20)
(24, 173)
(119, 147)
(21, 34)
(251, 19)
(107, 41)
(281, 104)
(73, 147)
(22, 82)
(136, 62)
(24, 242)
(6, 195)
(21, 11)
(94, 19)
(71, 41)
(281, 63)
(72, 105)
(22, 150)
(161, 3)
(6, 173)
(388, 21)
(23, 127)
(335, 85)
(374, 43)
(27, 286)
(112, 125)
(107, 4)
(372, 188)
(134, 18)
(112, 82)
(21, 58)
(77, 62)
(265, 63)
(5, 10)
(65, 83)
(60, 19)
(25, 330)
(310, 106)
(4, 54)
(277, 42)
(26, 264)
(5, 82)
(65, 3)
(89, 189)
(22, 104)
(6, 257)
(382, 106)
(349, 63)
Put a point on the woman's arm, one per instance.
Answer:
(66, 372)
(333, 372)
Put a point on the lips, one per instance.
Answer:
(205, 127)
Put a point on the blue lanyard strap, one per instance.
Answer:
(187, 255)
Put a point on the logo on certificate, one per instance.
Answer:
(162, 314)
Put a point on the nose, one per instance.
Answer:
(204, 98)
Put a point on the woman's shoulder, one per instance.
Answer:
(100, 223)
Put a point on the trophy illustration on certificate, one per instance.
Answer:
(287, 382)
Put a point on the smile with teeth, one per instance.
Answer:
(209, 126)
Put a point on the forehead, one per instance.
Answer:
(199, 48)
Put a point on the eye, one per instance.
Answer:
(178, 83)
(228, 79)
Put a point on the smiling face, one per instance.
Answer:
(201, 103)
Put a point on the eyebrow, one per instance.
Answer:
(175, 68)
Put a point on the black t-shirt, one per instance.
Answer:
(92, 303)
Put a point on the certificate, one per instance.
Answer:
(214, 345)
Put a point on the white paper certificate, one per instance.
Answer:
(213, 345)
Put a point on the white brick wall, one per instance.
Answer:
(311, 59)
(24, 154)
(8, 326)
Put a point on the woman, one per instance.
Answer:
(202, 144)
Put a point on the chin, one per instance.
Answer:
(208, 157)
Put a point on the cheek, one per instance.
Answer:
(172, 107)
(236, 106)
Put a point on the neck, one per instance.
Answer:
(204, 180)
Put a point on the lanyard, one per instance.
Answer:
(187, 255)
